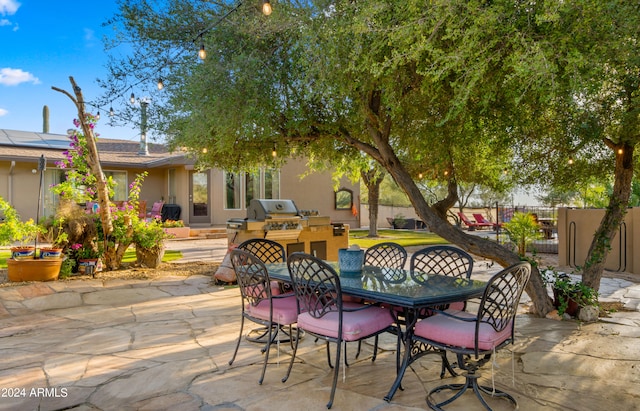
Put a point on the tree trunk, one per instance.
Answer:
(614, 214)
(379, 129)
(93, 160)
(372, 180)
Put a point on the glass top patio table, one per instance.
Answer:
(397, 286)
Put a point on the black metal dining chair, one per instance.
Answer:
(259, 304)
(387, 255)
(390, 257)
(323, 313)
(441, 260)
(474, 338)
(268, 251)
(444, 260)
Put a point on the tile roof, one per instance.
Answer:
(28, 146)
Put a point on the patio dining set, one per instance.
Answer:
(424, 306)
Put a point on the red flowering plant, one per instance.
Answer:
(85, 251)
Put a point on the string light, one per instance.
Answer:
(202, 53)
(98, 115)
(620, 151)
(274, 153)
(570, 160)
(266, 7)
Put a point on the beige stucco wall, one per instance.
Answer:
(20, 187)
(576, 228)
(314, 191)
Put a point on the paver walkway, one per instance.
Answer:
(165, 345)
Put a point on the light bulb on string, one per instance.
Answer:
(98, 116)
(111, 112)
(132, 99)
(160, 84)
(202, 53)
(266, 7)
(570, 161)
(620, 151)
(274, 153)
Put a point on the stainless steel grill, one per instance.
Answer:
(279, 219)
(296, 230)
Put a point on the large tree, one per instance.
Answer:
(457, 91)
(313, 80)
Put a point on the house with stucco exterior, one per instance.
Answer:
(200, 198)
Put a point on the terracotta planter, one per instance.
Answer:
(572, 304)
(178, 232)
(23, 252)
(33, 269)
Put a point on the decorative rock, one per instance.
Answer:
(589, 313)
(553, 315)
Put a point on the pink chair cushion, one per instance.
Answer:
(452, 331)
(256, 290)
(285, 310)
(457, 306)
(355, 324)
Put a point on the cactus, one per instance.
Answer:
(45, 119)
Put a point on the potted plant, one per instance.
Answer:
(522, 229)
(399, 221)
(148, 238)
(57, 237)
(14, 230)
(570, 296)
(87, 257)
(22, 266)
(176, 228)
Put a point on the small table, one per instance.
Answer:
(397, 288)
(547, 226)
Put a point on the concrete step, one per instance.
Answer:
(209, 232)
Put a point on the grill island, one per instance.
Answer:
(296, 230)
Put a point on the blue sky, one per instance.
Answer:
(42, 43)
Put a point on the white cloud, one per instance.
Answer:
(5, 22)
(3, 112)
(13, 77)
(89, 34)
(9, 7)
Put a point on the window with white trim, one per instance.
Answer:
(240, 187)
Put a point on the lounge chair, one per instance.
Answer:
(480, 219)
(472, 225)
